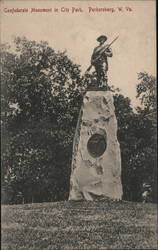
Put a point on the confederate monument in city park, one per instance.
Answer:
(96, 159)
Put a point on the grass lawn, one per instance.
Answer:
(79, 225)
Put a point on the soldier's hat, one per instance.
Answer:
(102, 37)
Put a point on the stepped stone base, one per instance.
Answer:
(96, 161)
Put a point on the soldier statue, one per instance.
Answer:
(99, 60)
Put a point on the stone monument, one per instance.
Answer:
(96, 160)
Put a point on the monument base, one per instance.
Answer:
(96, 160)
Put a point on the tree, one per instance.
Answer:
(136, 134)
(39, 87)
(146, 92)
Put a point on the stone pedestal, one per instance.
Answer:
(96, 160)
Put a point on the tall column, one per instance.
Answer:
(96, 159)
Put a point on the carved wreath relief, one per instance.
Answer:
(96, 145)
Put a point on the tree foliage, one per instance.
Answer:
(137, 137)
(147, 123)
(39, 87)
(146, 91)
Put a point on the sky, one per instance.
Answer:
(76, 32)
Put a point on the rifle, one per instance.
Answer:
(106, 47)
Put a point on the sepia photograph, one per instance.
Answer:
(78, 125)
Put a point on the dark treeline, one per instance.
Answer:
(41, 94)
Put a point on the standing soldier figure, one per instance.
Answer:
(99, 60)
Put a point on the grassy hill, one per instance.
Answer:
(79, 225)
